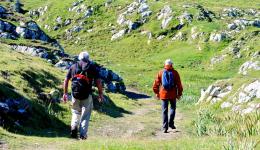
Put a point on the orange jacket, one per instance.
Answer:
(170, 94)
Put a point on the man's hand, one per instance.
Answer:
(65, 97)
(178, 97)
(157, 96)
(101, 98)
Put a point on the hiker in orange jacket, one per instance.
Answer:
(167, 87)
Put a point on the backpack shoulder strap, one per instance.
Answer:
(83, 71)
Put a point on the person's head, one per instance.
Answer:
(168, 63)
(84, 56)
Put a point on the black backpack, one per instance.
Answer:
(81, 85)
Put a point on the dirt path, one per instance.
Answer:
(144, 122)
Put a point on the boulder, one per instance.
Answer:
(64, 64)
(160, 37)
(179, 36)
(217, 59)
(119, 34)
(59, 20)
(185, 18)
(204, 14)
(232, 26)
(249, 65)
(166, 15)
(165, 22)
(89, 12)
(232, 12)
(108, 2)
(146, 14)
(76, 28)
(165, 12)
(143, 7)
(3, 12)
(218, 37)
(249, 92)
(121, 19)
(7, 27)
(32, 26)
(67, 22)
(214, 93)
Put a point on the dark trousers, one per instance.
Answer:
(168, 123)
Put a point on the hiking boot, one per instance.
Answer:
(172, 127)
(83, 137)
(165, 130)
(74, 133)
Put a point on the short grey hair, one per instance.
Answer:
(168, 62)
(84, 56)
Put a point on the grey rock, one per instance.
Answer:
(77, 28)
(256, 23)
(179, 36)
(7, 27)
(146, 14)
(232, 12)
(217, 37)
(3, 12)
(143, 7)
(232, 26)
(55, 28)
(108, 2)
(249, 92)
(214, 93)
(166, 16)
(165, 22)
(160, 37)
(217, 59)
(121, 19)
(64, 64)
(226, 105)
(249, 65)
(67, 22)
(185, 18)
(59, 20)
(204, 14)
(120, 34)
(89, 12)
(32, 26)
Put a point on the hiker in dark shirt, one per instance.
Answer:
(82, 74)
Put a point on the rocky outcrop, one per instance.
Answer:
(139, 7)
(185, 18)
(236, 12)
(248, 92)
(241, 24)
(217, 59)
(7, 30)
(204, 14)
(249, 65)
(241, 101)
(31, 30)
(165, 15)
(51, 56)
(179, 36)
(218, 37)
(118, 35)
(3, 12)
(215, 93)
(17, 109)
